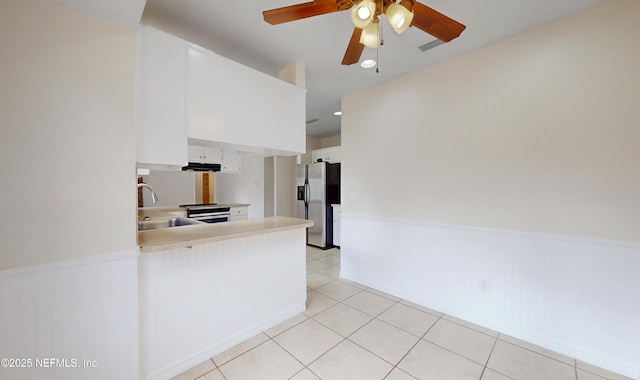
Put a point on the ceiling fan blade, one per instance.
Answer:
(355, 48)
(300, 11)
(435, 23)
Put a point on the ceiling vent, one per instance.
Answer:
(430, 45)
(312, 120)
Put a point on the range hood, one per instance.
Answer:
(201, 167)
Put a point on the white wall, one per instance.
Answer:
(74, 310)
(244, 187)
(280, 186)
(328, 142)
(312, 143)
(67, 141)
(538, 133)
(68, 269)
(172, 188)
(517, 163)
(124, 12)
(269, 186)
(571, 295)
(285, 186)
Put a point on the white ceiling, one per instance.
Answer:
(236, 30)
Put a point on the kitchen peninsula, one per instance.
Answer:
(204, 288)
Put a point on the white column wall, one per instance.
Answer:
(68, 137)
(68, 269)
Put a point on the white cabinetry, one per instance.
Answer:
(162, 136)
(205, 155)
(234, 104)
(331, 154)
(337, 211)
(239, 213)
(230, 161)
(191, 96)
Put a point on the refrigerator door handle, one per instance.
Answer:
(307, 193)
(307, 197)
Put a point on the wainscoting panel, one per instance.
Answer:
(198, 302)
(576, 296)
(75, 319)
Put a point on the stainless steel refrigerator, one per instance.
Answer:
(318, 187)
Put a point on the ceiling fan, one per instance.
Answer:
(365, 17)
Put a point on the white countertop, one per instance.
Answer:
(186, 236)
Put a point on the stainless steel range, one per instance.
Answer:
(208, 212)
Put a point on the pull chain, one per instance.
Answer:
(378, 49)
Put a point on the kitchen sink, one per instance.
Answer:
(154, 224)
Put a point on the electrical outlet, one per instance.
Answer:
(483, 285)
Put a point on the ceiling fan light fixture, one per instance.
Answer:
(399, 17)
(370, 37)
(362, 13)
(367, 63)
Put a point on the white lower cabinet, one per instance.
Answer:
(239, 213)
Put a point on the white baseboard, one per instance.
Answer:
(83, 309)
(576, 296)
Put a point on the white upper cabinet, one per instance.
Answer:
(230, 161)
(233, 104)
(205, 155)
(331, 154)
(162, 136)
(189, 95)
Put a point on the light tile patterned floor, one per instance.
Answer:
(353, 332)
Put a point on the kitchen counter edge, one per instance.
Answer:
(186, 236)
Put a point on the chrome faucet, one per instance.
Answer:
(154, 197)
